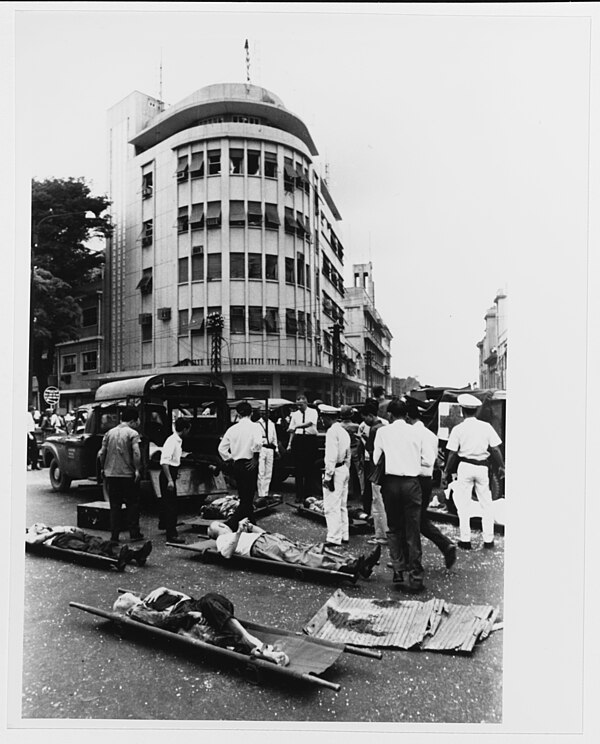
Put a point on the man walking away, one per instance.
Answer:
(428, 529)
(170, 460)
(373, 423)
(402, 446)
(266, 456)
(241, 444)
(120, 461)
(471, 443)
(335, 478)
(303, 445)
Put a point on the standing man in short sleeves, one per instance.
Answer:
(471, 443)
(303, 445)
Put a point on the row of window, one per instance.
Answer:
(89, 362)
(333, 275)
(332, 310)
(296, 322)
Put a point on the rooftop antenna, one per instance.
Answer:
(247, 48)
(160, 79)
(326, 179)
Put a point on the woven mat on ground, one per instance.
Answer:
(435, 625)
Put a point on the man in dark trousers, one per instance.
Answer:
(405, 455)
(303, 445)
(170, 460)
(241, 444)
(120, 461)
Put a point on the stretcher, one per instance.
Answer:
(200, 525)
(356, 526)
(438, 515)
(309, 657)
(74, 556)
(206, 549)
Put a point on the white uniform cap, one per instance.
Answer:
(468, 401)
(324, 408)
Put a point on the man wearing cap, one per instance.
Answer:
(428, 529)
(336, 476)
(303, 445)
(405, 455)
(471, 443)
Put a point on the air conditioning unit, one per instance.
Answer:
(163, 313)
(145, 318)
(196, 249)
(146, 241)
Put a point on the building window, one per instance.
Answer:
(289, 175)
(198, 267)
(271, 217)
(213, 267)
(197, 320)
(289, 271)
(255, 319)
(254, 214)
(182, 220)
(254, 266)
(197, 167)
(271, 267)
(89, 316)
(238, 319)
(182, 168)
(147, 185)
(145, 283)
(272, 320)
(309, 328)
(300, 229)
(147, 233)
(197, 218)
(270, 165)
(291, 326)
(183, 324)
(237, 213)
(253, 162)
(236, 266)
(307, 276)
(300, 269)
(301, 323)
(182, 271)
(89, 359)
(213, 214)
(69, 363)
(301, 179)
(214, 162)
(290, 221)
(236, 162)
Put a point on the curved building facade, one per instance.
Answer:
(218, 208)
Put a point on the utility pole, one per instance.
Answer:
(214, 325)
(337, 363)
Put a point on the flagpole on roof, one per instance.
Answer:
(247, 48)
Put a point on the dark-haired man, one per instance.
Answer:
(405, 455)
(170, 460)
(241, 444)
(120, 461)
(303, 445)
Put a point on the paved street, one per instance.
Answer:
(76, 666)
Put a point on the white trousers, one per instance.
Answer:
(335, 506)
(265, 471)
(378, 513)
(470, 476)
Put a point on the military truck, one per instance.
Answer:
(159, 400)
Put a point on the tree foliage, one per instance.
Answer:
(61, 263)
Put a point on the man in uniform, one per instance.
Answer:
(240, 445)
(405, 455)
(266, 456)
(471, 443)
(170, 460)
(120, 461)
(336, 477)
(303, 445)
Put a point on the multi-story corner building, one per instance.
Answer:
(218, 208)
(493, 347)
(365, 329)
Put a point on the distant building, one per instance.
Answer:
(493, 345)
(403, 385)
(366, 330)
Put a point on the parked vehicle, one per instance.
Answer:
(159, 400)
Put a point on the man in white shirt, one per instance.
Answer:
(170, 460)
(303, 445)
(471, 443)
(405, 455)
(336, 477)
(32, 448)
(266, 456)
(240, 445)
(428, 529)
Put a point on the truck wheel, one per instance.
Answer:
(58, 480)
